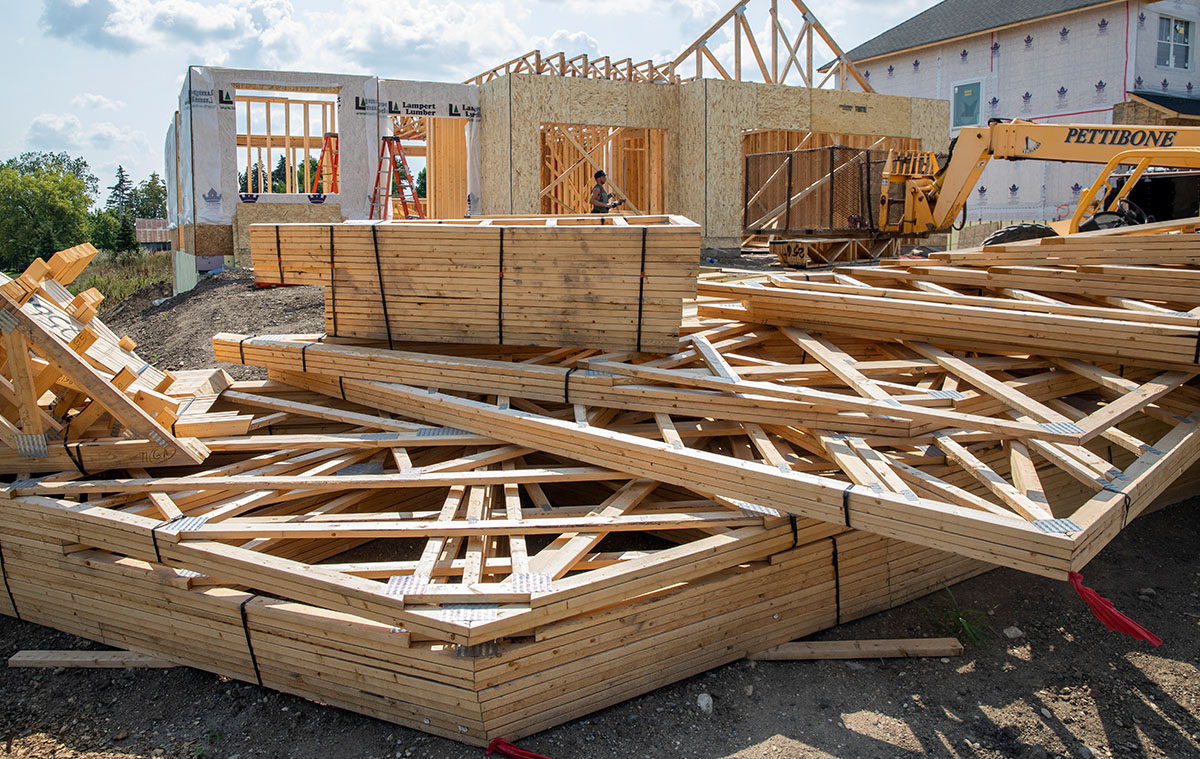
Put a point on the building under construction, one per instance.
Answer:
(525, 137)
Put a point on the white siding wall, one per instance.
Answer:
(1068, 69)
(1149, 76)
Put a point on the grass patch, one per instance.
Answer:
(119, 276)
(953, 619)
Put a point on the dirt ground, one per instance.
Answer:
(1066, 688)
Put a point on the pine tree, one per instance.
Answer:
(126, 242)
(119, 193)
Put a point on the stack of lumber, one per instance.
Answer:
(485, 541)
(613, 283)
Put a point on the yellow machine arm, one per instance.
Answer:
(919, 196)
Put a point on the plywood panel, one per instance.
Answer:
(446, 168)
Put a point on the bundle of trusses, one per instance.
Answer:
(482, 540)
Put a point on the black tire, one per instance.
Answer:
(1018, 232)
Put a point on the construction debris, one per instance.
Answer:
(478, 539)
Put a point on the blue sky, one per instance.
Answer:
(101, 78)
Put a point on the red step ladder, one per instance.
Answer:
(327, 162)
(393, 169)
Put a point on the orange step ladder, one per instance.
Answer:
(393, 170)
(327, 162)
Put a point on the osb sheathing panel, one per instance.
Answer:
(214, 240)
(494, 146)
(653, 105)
(783, 107)
(861, 113)
(276, 213)
(528, 111)
(688, 177)
(594, 101)
(732, 106)
(931, 123)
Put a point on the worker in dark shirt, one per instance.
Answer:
(602, 202)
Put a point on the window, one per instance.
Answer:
(1174, 43)
(967, 102)
(281, 141)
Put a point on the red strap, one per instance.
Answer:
(1108, 614)
(504, 748)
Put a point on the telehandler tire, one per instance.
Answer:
(1018, 232)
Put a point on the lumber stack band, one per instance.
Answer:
(616, 286)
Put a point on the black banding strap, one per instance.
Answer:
(641, 289)
(382, 295)
(500, 294)
(249, 645)
(795, 530)
(12, 601)
(76, 457)
(837, 582)
(332, 283)
(1126, 502)
(846, 503)
(567, 384)
(242, 348)
(342, 386)
(154, 536)
(279, 254)
(1196, 357)
(304, 357)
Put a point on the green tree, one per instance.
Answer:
(279, 176)
(421, 187)
(103, 224)
(126, 241)
(149, 199)
(58, 163)
(43, 209)
(119, 193)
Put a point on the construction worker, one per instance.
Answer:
(601, 201)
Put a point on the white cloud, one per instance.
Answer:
(100, 102)
(400, 38)
(49, 131)
(56, 131)
(571, 43)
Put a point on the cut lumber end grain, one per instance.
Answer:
(89, 660)
(898, 648)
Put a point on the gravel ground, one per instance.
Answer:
(1066, 688)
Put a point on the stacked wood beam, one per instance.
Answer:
(594, 281)
(484, 540)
